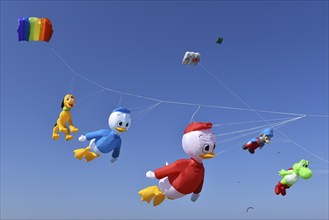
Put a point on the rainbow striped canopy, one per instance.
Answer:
(34, 29)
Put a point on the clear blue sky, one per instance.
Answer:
(274, 57)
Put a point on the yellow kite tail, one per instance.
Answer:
(85, 153)
(148, 193)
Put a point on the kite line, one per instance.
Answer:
(260, 116)
(160, 101)
(167, 101)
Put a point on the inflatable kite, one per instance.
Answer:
(291, 176)
(249, 208)
(106, 140)
(184, 176)
(34, 29)
(264, 138)
(220, 40)
(65, 117)
(192, 58)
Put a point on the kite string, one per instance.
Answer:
(74, 72)
(273, 80)
(84, 108)
(143, 111)
(258, 127)
(184, 103)
(142, 107)
(280, 124)
(283, 141)
(120, 101)
(318, 172)
(192, 118)
(89, 96)
(322, 166)
(72, 84)
(227, 149)
(246, 104)
(233, 93)
(241, 131)
(226, 87)
(169, 101)
(242, 135)
(136, 113)
(159, 100)
(320, 116)
(303, 148)
(139, 118)
(238, 137)
(249, 122)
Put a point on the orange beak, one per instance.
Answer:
(207, 156)
(120, 129)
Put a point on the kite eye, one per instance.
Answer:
(214, 146)
(120, 123)
(127, 125)
(205, 148)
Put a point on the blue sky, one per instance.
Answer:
(274, 57)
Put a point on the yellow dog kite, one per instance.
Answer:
(64, 117)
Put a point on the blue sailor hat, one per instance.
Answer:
(122, 109)
(268, 132)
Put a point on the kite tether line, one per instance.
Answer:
(278, 84)
(167, 101)
(260, 116)
(159, 101)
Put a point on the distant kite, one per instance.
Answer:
(34, 29)
(249, 208)
(192, 58)
(219, 40)
(291, 176)
(259, 142)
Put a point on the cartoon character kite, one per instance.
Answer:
(106, 140)
(192, 58)
(264, 138)
(291, 176)
(64, 117)
(184, 176)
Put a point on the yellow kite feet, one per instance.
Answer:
(55, 136)
(151, 192)
(68, 137)
(85, 153)
(89, 156)
(74, 129)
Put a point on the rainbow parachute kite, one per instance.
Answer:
(34, 29)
